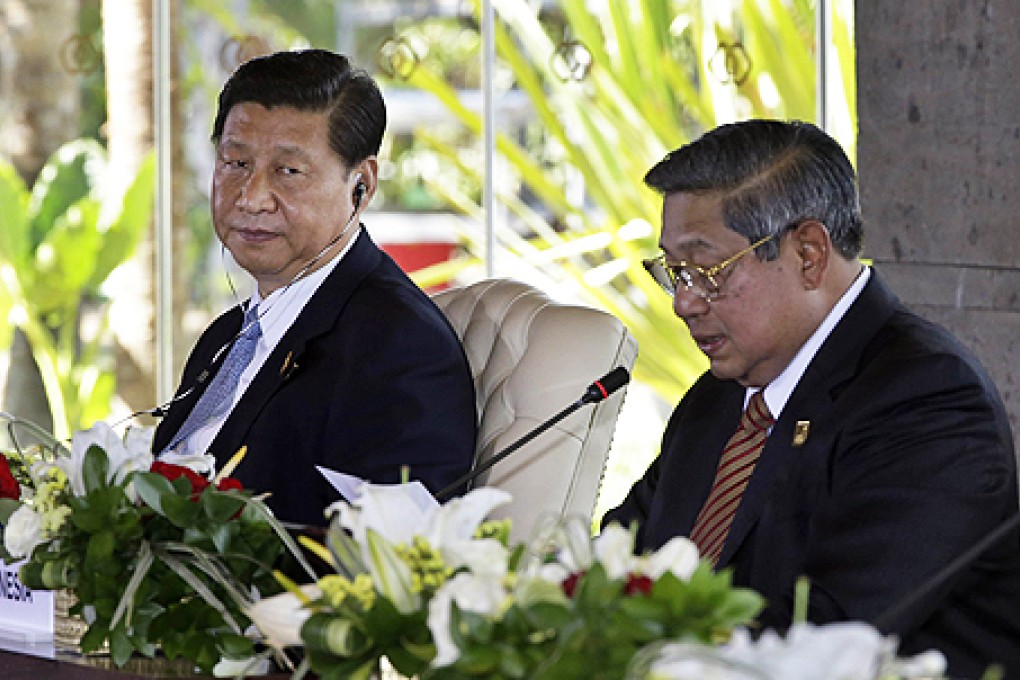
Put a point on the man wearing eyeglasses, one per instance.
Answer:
(837, 435)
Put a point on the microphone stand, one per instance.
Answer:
(596, 392)
(446, 492)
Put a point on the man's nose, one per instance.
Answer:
(255, 195)
(687, 302)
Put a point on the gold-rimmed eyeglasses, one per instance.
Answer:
(703, 282)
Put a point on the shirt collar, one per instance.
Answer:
(778, 392)
(281, 307)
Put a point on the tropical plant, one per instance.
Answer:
(613, 86)
(59, 242)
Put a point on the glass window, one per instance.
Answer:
(518, 136)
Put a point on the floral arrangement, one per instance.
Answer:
(166, 555)
(160, 555)
(438, 593)
(435, 592)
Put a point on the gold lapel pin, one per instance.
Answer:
(287, 365)
(800, 432)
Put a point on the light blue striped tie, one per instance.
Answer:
(218, 397)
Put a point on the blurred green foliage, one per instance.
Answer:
(59, 241)
(612, 87)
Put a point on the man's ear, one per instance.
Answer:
(367, 174)
(814, 248)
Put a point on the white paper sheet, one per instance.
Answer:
(350, 487)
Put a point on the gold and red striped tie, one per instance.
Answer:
(735, 467)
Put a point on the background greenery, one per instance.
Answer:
(571, 212)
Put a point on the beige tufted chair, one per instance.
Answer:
(531, 358)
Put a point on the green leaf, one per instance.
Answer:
(469, 628)
(335, 635)
(100, 547)
(96, 389)
(7, 508)
(512, 663)
(180, 510)
(65, 259)
(221, 536)
(331, 668)
(93, 638)
(94, 469)
(479, 660)
(121, 648)
(121, 238)
(152, 488)
(221, 506)
(235, 646)
(410, 659)
(14, 223)
(545, 615)
(70, 175)
(99, 509)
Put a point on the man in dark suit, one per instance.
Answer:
(887, 452)
(347, 364)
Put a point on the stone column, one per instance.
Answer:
(939, 165)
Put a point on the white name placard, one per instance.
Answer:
(25, 614)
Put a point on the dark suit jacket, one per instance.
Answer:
(370, 377)
(908, 462)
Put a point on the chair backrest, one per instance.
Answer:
(530, 358)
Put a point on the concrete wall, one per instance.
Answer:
(939, 164)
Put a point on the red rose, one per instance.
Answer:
(9, 487)
(637, 583)
(228, 483)
(172, 472)
(569, 584)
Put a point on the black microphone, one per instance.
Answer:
(596, 392)
(885, 620)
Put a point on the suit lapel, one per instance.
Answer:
(811, 401)
(318, 317)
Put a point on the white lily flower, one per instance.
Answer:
(458, 519)
(577, 549)
(23, 532)
(843, 651)
(553, 572)
(679, 555)
(124, 455)
(847, 650)
(614, 549)
(451, 529)
(399, 512)
(930, 664)
(280, 617)
(481, 556)
(138, 441)
(480, 594)
(390, 510)
(381, 517)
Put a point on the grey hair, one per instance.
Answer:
(773, 175)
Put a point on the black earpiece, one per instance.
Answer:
(359, 191)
